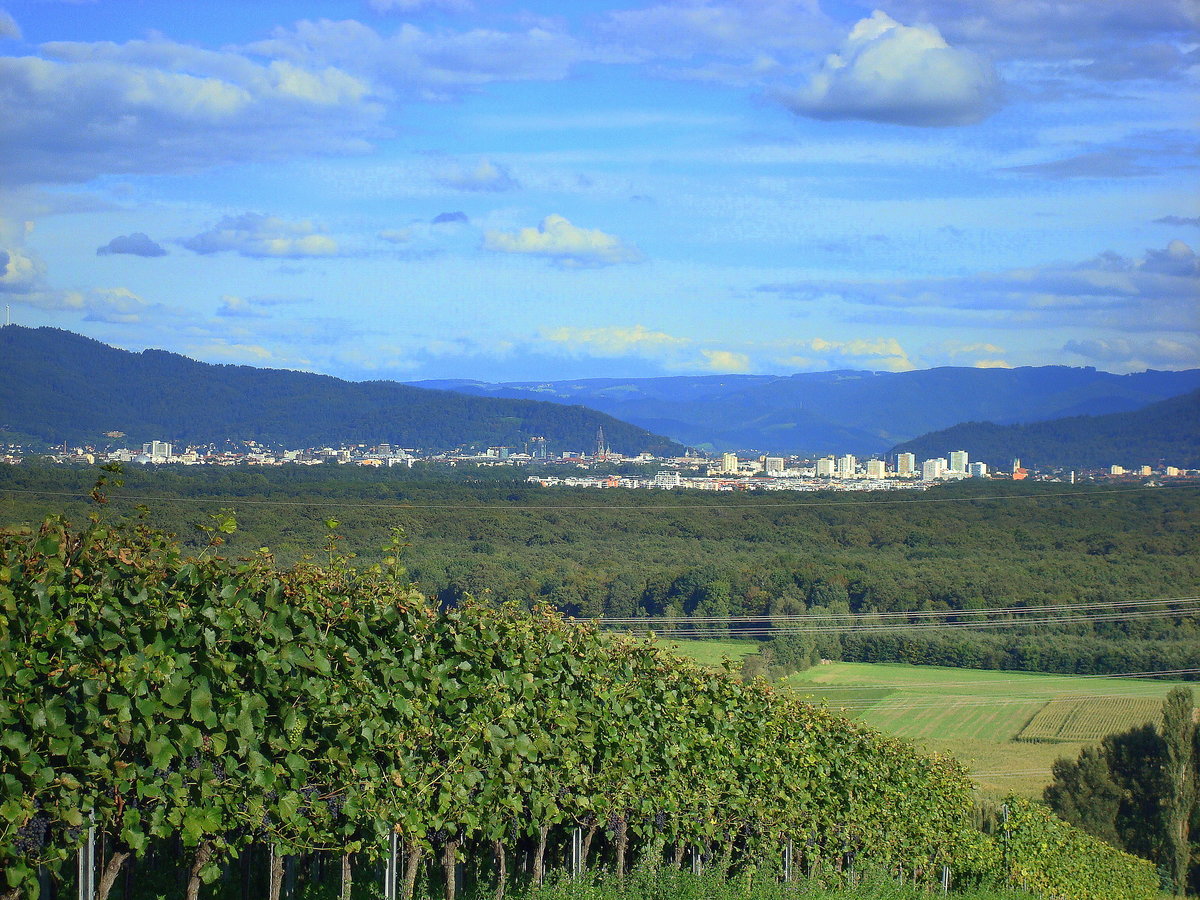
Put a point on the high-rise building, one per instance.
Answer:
(978, 470)
(906, 464)
(157, 449)
(876, 468)
(958, 461)
(846, 466)
(825, 466)
(729, 464)
(773, 465)
(933, 469)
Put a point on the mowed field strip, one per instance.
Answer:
(988, 719)
(1008, 728)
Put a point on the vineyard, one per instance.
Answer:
(1071, 719)
(200, 711)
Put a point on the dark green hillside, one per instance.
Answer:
(1166, 432)
(57, 386)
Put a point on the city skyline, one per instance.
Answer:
(411, 189)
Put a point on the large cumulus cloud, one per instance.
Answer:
(908, 75)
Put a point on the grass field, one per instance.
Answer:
(711, 653)
(1008, 728)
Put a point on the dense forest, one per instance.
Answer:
(963, 548)
(56, 386)
(1167, 432)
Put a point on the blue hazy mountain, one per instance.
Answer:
(845, 411)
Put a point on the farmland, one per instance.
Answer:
(1006, 727)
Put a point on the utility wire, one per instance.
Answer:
(811, 617)
(862, 704)
(869, 628)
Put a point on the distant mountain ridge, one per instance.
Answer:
(59, 386)
(846, 411)
(1167, 432)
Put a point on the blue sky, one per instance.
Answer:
(415, 189)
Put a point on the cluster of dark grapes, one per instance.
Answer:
(660, 820)
(334, 803)
(31, 836)
(616, 824)
(193, 761)
(219, 770)
(439, 837)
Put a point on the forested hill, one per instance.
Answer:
(58, 386)
(1166, 432)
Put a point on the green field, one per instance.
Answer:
(712, 653)
(1008, 728)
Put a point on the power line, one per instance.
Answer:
(811, 617)
(864, 704)
(711, 631)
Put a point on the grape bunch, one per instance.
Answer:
(31, 836)
(334, 803)
(660, 820)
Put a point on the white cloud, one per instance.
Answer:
(259, 236)
(878, 353)
(726, 361)
(567, 245)
(907, 75)
(616, 341)
(160, 106)
(484, 176)
(118, 306)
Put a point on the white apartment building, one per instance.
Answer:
(876, 468)
(906, 464)
(933, 469)
(958, 461)
(729, 464)
(825, 467)
(668, 480)
(846, 466)
(773, 465)
(980, 470)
